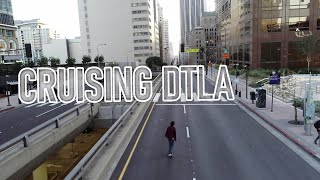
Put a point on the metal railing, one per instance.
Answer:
(78, 170)
(57, 121)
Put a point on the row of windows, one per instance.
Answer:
(275, 24)
(143, 55)
(142, 41)
(141, 26)
(141, 19)
(142, 34)
(141, 12)
(139, 4)
(143, 48)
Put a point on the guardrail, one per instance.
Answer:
(78, 170)
(57, 121)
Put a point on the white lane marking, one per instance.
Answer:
(195, 97)
(75, 104)
(223, 99)
(32, 105)
(196, 105)
(184, 109)
(183, 97)
(51, 110)
(188, 134)
(41, 105)
(156, 97)
(194, 179)
(53, 104)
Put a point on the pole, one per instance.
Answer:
(272, 100)
(236, 79)
(98, 55)
(247, 82)
(8, 93)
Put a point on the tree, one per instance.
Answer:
(154, 62)
(16, 67)
(54, 61)
(43, 62)
(309, 47)
(99, 59)
(30, 64)
(70, 62)
(86, 59)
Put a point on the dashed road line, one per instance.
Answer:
(184, 109)
(41, 105)
(188, 133)
(32, 105)
(50, 110)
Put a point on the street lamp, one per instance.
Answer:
(103, 44)
(8, 91)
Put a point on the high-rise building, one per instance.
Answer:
(127, 27)
(208, 22)
(165, 41)
(9, 49)
(264, 34)
(35, 33)
(197, 41)
(190, 13)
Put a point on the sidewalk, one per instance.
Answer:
(279, 118)
(13, 102)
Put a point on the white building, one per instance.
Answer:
(33, 32)
(128, 28)
(63, 49)
(165, 41)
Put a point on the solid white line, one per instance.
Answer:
(32, 105)
(183, 97)
(42, 104)
(188, 134)
(53, 104)
(184, 109)
(156, 97)
(51, 110)
(194, 179)
(195, 104)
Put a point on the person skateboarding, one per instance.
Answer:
(317, 126)
(171, 136)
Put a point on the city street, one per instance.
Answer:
(18, 121)
(215, 140)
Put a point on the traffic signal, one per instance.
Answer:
(182, 48)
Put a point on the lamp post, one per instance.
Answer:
(8, 91)
(103, 44)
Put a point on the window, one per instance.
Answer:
(142, 34)
(142, 41)
(141, 19)
(141, 26)
(141, 12)
(271, 25)
(139, 4)
(299, 4)
(298, 22)
(270, 54)
(143, 48)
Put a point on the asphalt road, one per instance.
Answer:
(21, 120)
(224, 143)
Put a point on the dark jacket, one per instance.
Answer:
(171, 133)
(317, 125)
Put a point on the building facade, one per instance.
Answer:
(190, 13)
(9, 48)
(264, 34)
(129, 30)
(33, 32)
(197, 41)
(208, 22)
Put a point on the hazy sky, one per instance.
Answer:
(62, 16)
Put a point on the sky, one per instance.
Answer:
(62, 16)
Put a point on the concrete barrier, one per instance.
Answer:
(106, 160)
(21, 162)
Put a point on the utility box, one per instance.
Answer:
(261, 98)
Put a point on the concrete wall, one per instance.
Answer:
(75, 50)
(21, 162)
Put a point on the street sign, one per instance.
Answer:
(274, 79)
(226, 56)
(193, 50)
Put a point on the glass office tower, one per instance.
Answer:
(6, 14)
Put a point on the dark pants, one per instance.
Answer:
(318, 136)
(171, 142)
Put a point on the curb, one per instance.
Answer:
(290, 137)
(8, 109)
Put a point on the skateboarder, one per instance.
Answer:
(317, 126)
(171, 136)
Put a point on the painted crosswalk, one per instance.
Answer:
(39, 105)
